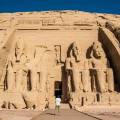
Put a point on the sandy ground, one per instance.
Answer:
(106, 115)
(102, 112)
(64, 114)
(18, 114)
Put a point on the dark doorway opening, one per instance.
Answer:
(58, 89)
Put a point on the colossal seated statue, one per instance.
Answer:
(20, 68)
(76, 67)
(40, 68)
(47, 70)
(35, 67)
(17, 69)
(103, 74)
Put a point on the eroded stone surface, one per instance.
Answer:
(71, 54)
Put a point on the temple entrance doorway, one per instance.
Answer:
(58, 89)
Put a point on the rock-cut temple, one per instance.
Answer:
(69, 54)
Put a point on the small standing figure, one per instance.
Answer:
(58, 53)
(57, 103)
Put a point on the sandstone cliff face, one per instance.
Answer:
(73, 54)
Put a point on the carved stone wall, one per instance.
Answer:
(45, 55)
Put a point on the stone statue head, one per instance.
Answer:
(74, 51)
(75, 45)
(97, 50)
(19, 48)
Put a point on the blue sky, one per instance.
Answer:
(103, 6)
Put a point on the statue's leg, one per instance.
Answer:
(86, 81)
(101, 80)
(92, 80)
(19, 80)
(69, 81)
(43, 80)
(38, 81)
(34, 79)
(77, 80)
(24, 82)
(11, 80)
(110, 80)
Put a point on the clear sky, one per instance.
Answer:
(103, 6)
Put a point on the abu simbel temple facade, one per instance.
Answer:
(70, 54)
